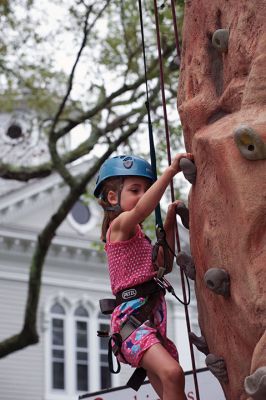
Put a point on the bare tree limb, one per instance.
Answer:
(24, 174)
(57, 162)
(126, 88)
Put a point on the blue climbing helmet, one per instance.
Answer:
(123, 166)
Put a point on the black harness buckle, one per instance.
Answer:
(114, 346)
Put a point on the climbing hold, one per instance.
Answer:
(217, 367)
(255, 384)
(183, 212)
(199, 342)
(249, 143)
(220, 40)
(177, 60)
(189, 169)
(218, 280)
(186, 263)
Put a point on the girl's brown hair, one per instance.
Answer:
(114, 184)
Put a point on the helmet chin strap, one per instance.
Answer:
(116, 207)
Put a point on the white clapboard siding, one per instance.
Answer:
(21, 372)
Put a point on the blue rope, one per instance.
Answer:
(158, 216)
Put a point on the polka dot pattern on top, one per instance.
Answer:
(129, 261)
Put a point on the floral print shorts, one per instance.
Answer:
(144, 336)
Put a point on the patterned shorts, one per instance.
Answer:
(144, 336)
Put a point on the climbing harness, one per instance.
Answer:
(148, 290)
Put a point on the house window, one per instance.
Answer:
(58, 346)
(14, 131)
(76, 360)
(82, 349)
(81, 212)
(105, 376)
(83, 217)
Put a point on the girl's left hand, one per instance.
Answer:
(171, 214)
(172, 206)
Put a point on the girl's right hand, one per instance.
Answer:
(176, 161)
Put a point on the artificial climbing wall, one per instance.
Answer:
(222, 106)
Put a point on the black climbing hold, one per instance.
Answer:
(220, 40)
(189, 169)
(185, 261)
(199, 342)
(183, 212)
(217, 367)
(255, 384)
(218, 280)
(249, 143)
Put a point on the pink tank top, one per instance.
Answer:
(129, 261)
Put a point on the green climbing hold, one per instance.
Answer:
(249, 143)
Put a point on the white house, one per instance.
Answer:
(69, 359)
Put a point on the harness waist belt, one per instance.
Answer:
(142, 290)
(145, 289)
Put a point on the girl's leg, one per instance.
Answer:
(156, 384)
(170, 377)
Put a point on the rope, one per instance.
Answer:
(175, 29)
(158, 216)
(172, 190)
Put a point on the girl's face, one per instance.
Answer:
(133, 189)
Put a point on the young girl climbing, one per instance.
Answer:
(128, 193)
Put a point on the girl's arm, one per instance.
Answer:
(127, 221)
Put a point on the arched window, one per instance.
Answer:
(82, 348)
(105, 376)
(58, 346)
(76, 360)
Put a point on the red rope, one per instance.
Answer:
(175, 29)
(171, 185)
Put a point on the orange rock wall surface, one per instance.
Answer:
(218, 93)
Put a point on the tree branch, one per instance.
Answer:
(57, 161)
(24, 174)
(152, 72)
